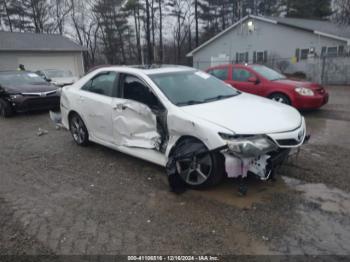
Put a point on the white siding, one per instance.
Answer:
(43, 60)
(279, 40)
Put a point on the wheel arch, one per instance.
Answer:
(71, 113)
(74, 112)
(179, 139)
(282, 93)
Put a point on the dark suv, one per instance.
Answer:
(22, 91)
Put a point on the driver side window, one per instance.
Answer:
(241, 75)
(135, 89)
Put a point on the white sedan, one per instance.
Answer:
(194, 124)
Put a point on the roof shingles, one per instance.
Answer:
(15, 41)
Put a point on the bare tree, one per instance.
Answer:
(148, 33)
(342, 11)
(196, 19)
(60, 9)
(86, 28)
(134, 8)
(180, 11)
(39, 14)
(5, 12)
(160, 31)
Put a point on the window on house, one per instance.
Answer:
(297, 54)
(304, 53)
(220, 73)
(242, 57)
(260, 57)
(332, 51)
(341, 50)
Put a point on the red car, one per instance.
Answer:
(263, 81)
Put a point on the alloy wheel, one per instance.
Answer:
(196, 170)
(77, 129)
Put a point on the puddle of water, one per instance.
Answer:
(258, 192)
(328, 132)
(323, 228)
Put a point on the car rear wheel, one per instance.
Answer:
(5, 108)
(202, 170)
(78, 130)
(281, 98)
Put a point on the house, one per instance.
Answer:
(288, 44)
(40, 51)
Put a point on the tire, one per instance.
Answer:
(5, 108)
(210, 165)
(78, 130)
(281, 98)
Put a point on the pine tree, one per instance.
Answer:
(316, 9)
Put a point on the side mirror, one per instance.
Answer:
(253, 79)
(48, 79)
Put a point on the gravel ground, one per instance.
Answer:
(58, 198)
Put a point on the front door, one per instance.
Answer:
(134, 122)
(240, 77)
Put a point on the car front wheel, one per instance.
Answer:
(5, 108)
(281, 98)
(202, 170)
(78, 130)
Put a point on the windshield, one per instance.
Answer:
(192, 87)
(268, 73)
(21, 78)
(58, 73)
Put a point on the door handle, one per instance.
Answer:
(120, 106)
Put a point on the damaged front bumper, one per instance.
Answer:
(263, 165)
(261, 154)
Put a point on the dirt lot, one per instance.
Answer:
(58, 198)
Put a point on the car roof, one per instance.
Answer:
(235, 65)
(148, 69)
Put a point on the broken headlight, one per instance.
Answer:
(251, 146)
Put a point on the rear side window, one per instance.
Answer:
(102, 84)
(221, 73)
(241, 75)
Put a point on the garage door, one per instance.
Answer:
(37, 62)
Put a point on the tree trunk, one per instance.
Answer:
(8, 16)
(148, 34)
(196, 21)
(160, 32)
(137, 34)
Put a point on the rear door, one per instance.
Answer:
(95, 102)
(239, 79)
(133, 116)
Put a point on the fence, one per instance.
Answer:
(326, 70)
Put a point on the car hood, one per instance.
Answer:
(28, 88)
(295, 83)
(248, 114)
(64, 80)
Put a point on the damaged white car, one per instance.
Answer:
(194, 124)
